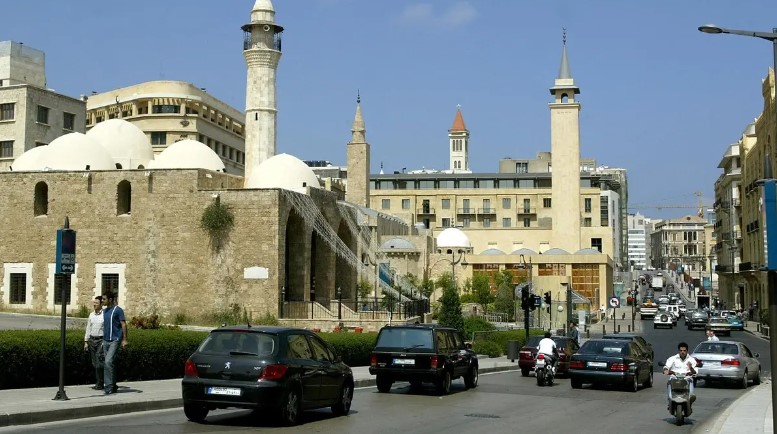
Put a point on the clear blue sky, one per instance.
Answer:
(658, 97)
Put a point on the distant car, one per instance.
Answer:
(663, 319)
(683, 309)
(566, 347)
(611, 361)
(645, 346)
(719, 325)
(422, 353)
(280, 370)
(696, 319)
(736, 323)
(727, 361)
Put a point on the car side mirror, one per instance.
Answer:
(468, 346)
(756, 355)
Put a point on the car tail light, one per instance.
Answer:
(525, 355)
(540, 356)
(190, 369)
(619, 367)
(273, 372)
(699, 363)
(730, 362)
(576, 364)
(434, 362)
(373, 359)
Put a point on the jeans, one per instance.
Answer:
(111, 352)
(98, 356)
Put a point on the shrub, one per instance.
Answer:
(83, 312)
(149, 322)
(489, 348)
(353, 348)
(180, 318)
(476, 324)
(267, 319)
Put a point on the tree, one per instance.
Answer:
(505, 297)
(450, 304)
(481, 291)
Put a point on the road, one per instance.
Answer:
(38, 322)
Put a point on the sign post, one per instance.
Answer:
(65, 266)
(614, 302)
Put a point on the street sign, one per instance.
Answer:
(66, 251)
(615, 302)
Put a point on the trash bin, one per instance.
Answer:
(513, 347)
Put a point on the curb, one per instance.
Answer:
(113, 408)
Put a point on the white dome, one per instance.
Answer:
(283, 171)
(126, 143)
(75, 151)
(31, 160)
(187, 154)
(453, 238)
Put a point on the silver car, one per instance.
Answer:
(727, 361)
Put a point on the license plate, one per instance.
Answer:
(407, 362)
(229, 391)
(711, 363)
(597, 364)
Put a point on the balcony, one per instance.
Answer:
(745, 266)
(720, 268)
(530, 210)
(737, 202)
(465, 211)
(486, 210)
(425, 211)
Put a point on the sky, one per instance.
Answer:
(659, 98)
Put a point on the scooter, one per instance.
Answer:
(544, 370)
(680, 399)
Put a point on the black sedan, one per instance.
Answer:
(644, 345)
(608, 361)
(280, 370)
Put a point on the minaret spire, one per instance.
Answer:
(564, 70)
(358, 155)
(358, 132)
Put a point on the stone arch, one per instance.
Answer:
(295, 254)
(41, 204)
(345, 273)
(124, 198)
(322, 270)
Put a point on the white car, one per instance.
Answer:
(663, 319)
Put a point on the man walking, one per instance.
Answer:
(114, 334)
(93, 340)
(573, 332)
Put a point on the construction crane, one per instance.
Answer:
(700, 207)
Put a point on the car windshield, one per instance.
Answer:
(734, 319)
(405, 338)
(534, 341)
(605, 348)
(240, 343)
(713, 347)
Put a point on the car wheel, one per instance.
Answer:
(384, 383)
(757, 379)
(576, 383)
(291, 407)
(743, 384)
(524, 372)
(343, 404)
(444, 383)
(195, 412)
(471, 379)
(649, 382)
(633, 386)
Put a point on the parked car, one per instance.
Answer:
(645, 346)
(422, 353)
(727, 361)
(280, 370)
(736, 323)
(719, 325)
(663, 319)
(566, 347)
(610, 361)
(696, 319)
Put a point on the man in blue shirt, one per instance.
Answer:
(114, 333)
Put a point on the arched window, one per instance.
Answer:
(41, 206)
(124, 198)
(118, 166)
(564, 97)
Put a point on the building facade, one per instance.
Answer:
(637, 227)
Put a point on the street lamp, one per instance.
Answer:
(768, 199)
(339, 303)
(711, 257)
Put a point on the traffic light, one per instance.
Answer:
(532, 300)
(525, 298)
(547, 298)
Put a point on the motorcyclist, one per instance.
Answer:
(547, 346)
(680, 365)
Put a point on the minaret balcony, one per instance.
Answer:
(258, 39)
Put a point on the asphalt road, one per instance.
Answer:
(38, 322)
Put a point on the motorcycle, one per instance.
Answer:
(680, 399)
(544, 370)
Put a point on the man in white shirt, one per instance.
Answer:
(680, 365)
(93, 340)
(547, 346)
(711, 336)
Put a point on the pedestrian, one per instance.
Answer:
(711, 336)
(573, 332)
(114, 334)
(93, 341)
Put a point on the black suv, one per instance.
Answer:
(698, 319)
(422, 353)
(281, 370)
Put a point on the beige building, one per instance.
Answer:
(685, 244)
(30, 114)
(172, 111)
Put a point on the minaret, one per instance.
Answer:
(358, 189)
(458, 138)
(565, 158)
(262, 51)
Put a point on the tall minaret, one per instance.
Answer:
(358, 190)
(262, 51)
(565, 158)
(458, 137)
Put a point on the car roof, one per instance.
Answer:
(622, 336)
(427, 326)
(258, 328)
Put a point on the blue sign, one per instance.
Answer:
(66, 251)
(769, 211)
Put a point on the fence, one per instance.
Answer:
(365, 309)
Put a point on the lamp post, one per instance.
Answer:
(339, 303)
(711, 257)
(526, 311)
(769, 200)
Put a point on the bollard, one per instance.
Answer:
(629, 328)
(604, 329)
(588, 333)
(619, 328)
